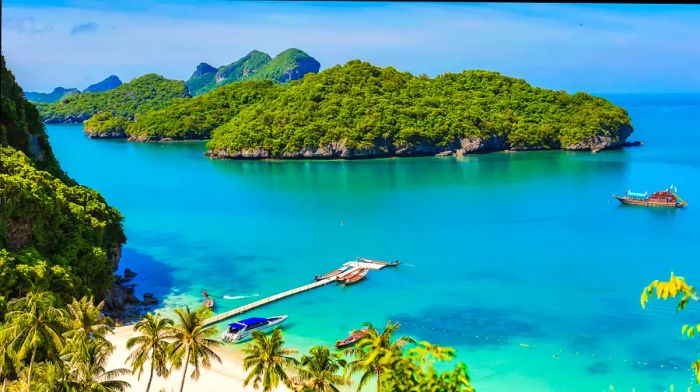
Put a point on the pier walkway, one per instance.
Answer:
(265, 301)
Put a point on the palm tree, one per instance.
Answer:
(318, 370)
(86, 319)
(150, 345)
(51, 376)
(190, 341)
(33, 323)
(375, 349)
(86, 363)
(7, 360)
(267, 360)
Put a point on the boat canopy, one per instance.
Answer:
(248, 322)
(636, 194)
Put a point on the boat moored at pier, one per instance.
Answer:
(242, 329)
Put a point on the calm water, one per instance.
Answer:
(521, 261)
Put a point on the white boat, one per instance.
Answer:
(242, 330)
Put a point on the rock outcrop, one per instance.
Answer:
(602, 142)
(109, 83)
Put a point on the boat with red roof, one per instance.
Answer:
(665, 198)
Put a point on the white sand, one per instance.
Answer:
(225, 376)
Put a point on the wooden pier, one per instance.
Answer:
(355, 265)
(265, 301)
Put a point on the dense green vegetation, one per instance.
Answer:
(193, 118)
(54, 233)
(147, 92)
(106, 124)
(56, 95)
(365, 107)
(290, 64)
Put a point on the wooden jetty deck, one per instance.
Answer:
(360, 264)
(265, 301)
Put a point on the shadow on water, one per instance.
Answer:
(153, 275)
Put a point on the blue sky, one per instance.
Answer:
(574, 47)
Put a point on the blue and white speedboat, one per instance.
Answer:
(242, 329)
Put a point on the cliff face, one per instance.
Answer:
(54, 234)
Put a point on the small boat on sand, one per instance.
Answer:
(666, 198)
(354, 276)
(332, 273)
(352, 339)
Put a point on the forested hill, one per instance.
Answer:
(358, 110)
(20, 125)
(54, 234)
(150, 91)
(291, 64)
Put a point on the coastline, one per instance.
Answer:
(225, 376)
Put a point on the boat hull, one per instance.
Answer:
(647, 203)
(242, 336)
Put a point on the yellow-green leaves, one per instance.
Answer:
(675, 286)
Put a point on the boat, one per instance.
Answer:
(354, 276)
(242, 329)
(352, 339)
(209, 303)
(332, 273)
(665, 198)
(379, 262)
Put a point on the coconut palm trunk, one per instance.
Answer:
(29, 371)
(153, 365)
(379, 379)
(184, 373)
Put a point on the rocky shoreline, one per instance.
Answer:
(338, 150)
(122, 305)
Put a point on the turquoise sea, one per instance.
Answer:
(523, 262)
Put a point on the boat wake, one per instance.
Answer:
(240, 296)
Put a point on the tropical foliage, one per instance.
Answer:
(675, 287)
(196, 117)
(150, 91)
(366, 107)
(191, 343)
(54, 235)
(48, 348)
(374, 351)
(321, 371)
(267, 361)
(150, 345)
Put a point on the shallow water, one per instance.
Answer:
(521, 261)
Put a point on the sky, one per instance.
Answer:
(604, 48)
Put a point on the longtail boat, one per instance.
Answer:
(354, 276)
(666, 198)
(352, 339)
(378, 262)
(332, 273)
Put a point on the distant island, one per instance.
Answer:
(291, 64)
(350, 111)
(59, 93)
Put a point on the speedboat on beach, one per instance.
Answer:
(242, 329)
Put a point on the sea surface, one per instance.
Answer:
(523, 262)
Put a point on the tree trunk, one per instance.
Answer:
(153, 364)
(29, 371)
(379, 379)
(4, 383)
(187, 362)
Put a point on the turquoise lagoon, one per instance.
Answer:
(523, 262)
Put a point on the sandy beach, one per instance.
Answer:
(225, 376)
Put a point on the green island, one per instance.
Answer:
(358, 110)
(288, 65)
(150, 91)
